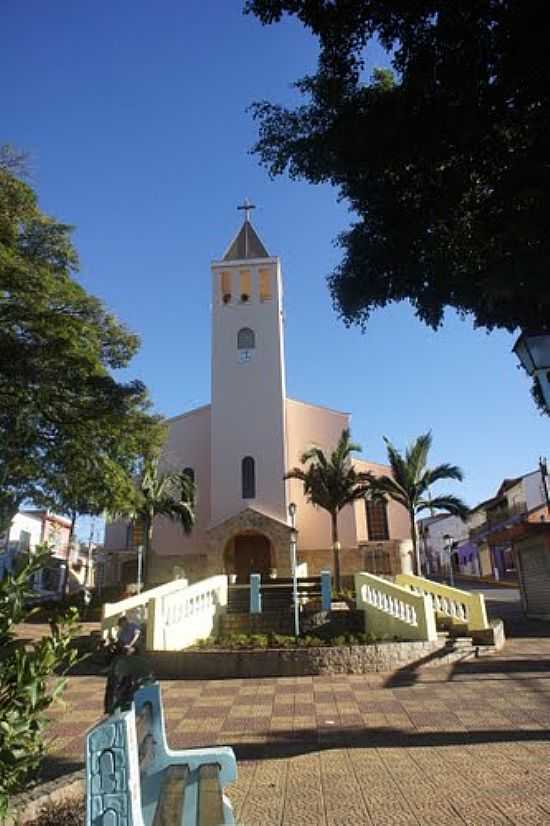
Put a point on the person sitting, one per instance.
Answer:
(128, 637)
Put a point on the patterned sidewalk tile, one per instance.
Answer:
(454, 745)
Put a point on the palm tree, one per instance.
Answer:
(410, 484)
(170, 494)
(331, 482)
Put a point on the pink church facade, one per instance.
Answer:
(239, 448)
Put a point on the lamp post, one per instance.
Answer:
(543, 467)
(449, 547)
(293, 567)
(533, 352)
(139, 568)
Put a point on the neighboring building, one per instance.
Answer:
(30, 528)
(434, 548)
(530, 541)
(515, 500)
(239, 447)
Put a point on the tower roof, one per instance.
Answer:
(246, 244)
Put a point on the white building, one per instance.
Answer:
(30, 528)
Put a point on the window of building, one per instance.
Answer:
(246, 285)
(265, 285)
(24, 541)
(190, 473)
(246, 339)
(248, 472)
(377, 519)
(225, 286)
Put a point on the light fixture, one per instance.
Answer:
(533, 352)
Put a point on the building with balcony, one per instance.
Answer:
(516, 500)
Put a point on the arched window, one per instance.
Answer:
(190, 473)
(248, 475)
(246, 339)
(377, 519)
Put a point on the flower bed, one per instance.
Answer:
(249, 642)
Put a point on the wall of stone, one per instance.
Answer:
(302, 662)
(70, 788)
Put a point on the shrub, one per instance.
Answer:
(26, 691)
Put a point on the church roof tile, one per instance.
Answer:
(245, 245)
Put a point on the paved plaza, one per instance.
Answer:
(466, 743)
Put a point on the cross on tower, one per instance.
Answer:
(247, 206)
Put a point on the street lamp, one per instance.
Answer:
(449, 547)
(139, 568)
(293, 566)
(533, 352)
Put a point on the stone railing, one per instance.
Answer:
(394, 611)
(136, 608)
(461, 607)
(177, 620)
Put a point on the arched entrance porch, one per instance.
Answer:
(248, 553)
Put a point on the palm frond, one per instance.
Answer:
(444, 471)
(416, 455)
(397, 463)
(386, 486)
(447, 502)
(296, 473)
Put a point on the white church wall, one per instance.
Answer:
(309, 425)
(187, 446)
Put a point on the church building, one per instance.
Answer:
(239, 447)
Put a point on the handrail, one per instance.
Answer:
(462, 607)
(136, 606)
(391, 610)
(181, 618)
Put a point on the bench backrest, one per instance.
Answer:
(113, 789)
(131, 773)
(125, 758)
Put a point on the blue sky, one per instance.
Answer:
(134, 115)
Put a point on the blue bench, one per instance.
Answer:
(134, 779)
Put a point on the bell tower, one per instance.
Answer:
(248, 380)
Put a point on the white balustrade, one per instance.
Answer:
(136, 608)
(394, 611)
(462, 607)
(178, 620)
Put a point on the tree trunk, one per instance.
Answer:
(335, 550)
(416, 549)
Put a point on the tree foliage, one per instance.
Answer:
(26, 673)
(331, 482)
(444, 160)
(170, 494)
(70, 433)
(410, 484)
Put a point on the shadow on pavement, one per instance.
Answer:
(55, 766)
(288, 743)
(482, 668)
